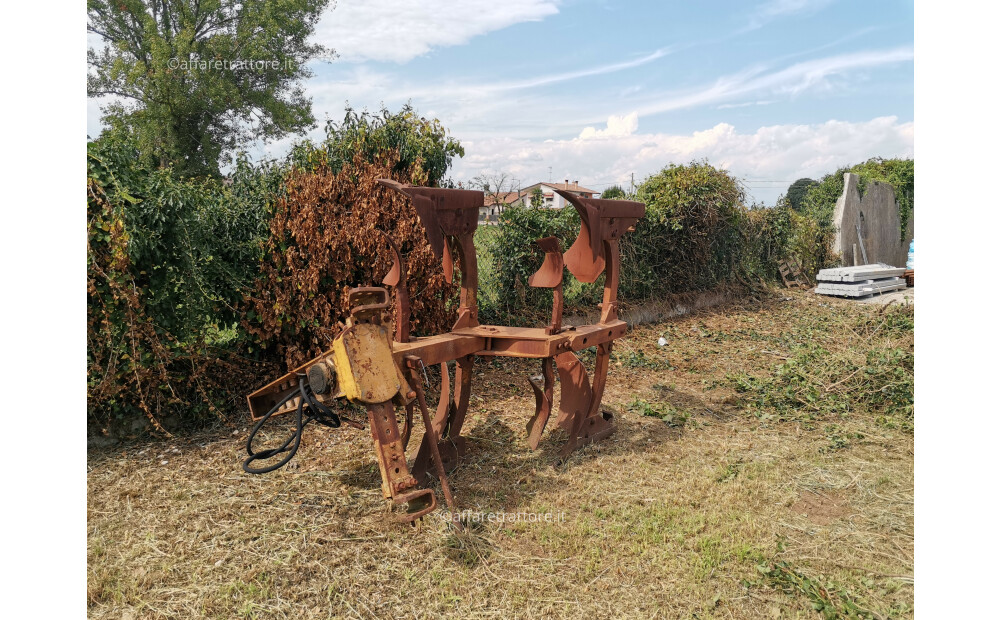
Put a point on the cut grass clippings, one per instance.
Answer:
(737, 485)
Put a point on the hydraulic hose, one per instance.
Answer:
(309, 409)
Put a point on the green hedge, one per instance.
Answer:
(698, 233)
(820, 200)
(174, 263)
(168, 261)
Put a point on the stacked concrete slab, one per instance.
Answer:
(861, 281)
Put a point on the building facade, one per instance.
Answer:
(493, 205)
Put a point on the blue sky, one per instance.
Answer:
(598, 91)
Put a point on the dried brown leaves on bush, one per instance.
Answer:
(325, 239)
(125, 356)
(132, 363)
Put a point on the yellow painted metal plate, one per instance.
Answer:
(365, 368)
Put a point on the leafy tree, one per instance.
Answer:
(797, 191)
(496, 186)
(615, 192)
(195, 80)
(537, 198)
(690, 235)
(423, 144)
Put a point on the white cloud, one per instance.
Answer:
(778, 8)
(362, 83)
(774, 9)
(400, 31)
(744, 104)
(618, 126)
(769, 158)
(572, 75)
(475, 110)
(789, 81)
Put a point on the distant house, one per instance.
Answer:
(554, 200)
(493, 205)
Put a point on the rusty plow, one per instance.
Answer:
(385, 371)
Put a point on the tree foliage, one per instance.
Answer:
(697, 234)
(821, 199)
(797, 192)
(615, 192)
(195, 80)
(198, 288)
(423, 145)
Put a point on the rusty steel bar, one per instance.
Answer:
(431, 436)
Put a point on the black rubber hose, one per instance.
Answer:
(309, 408)
(322, 414)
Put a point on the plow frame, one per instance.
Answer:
(358, 366)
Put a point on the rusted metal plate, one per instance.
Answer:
(389, 452)
(590, 425)
(396, 278)
(365, 367)
(398, 483)
(550, 274)
(590, 335)
(509, 333)
(522, 348)
(543, 404)
(450, 216)
(451, 212)
(600, 220)
(584, 259)
(574, 391)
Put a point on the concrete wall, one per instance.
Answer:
(878, 215)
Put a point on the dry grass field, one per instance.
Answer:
(762, 467)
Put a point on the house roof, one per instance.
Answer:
(506, 198)
(576, 188)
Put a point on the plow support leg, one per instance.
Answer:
(397, 483)
(448, 421)
(543, 404)
(580, 405)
